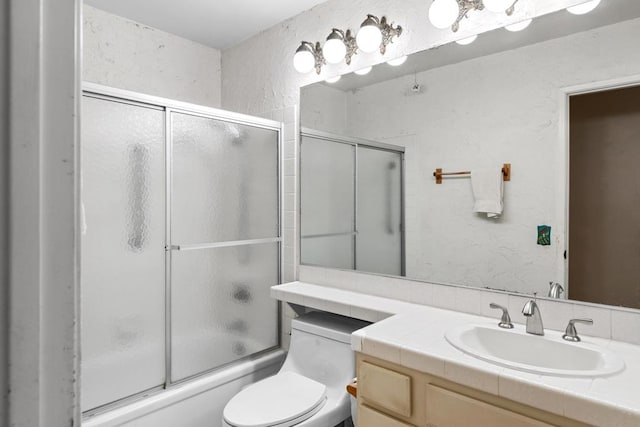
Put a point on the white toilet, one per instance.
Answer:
(310, 388)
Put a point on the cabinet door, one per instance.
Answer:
(448, 409)
(368, 417)
(385, 389)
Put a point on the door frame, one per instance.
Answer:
(563, 183)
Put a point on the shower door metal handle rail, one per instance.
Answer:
(315, 236)
(196, 246)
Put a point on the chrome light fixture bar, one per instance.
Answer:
(340, 45)
(309, 56)
(445, 13)
(374, 34)
(377, 33)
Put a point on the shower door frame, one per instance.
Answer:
(170, 106)
(355, 142)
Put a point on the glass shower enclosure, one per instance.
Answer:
(351, 203)
(181, 237)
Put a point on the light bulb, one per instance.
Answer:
(363, 71)
(398, 61)
(497, 6)
(369, 37)
(334, 49)
(333, 79)
(583, 8)
(443, 13)
(519, 26)
(467, 40)
(303, 60)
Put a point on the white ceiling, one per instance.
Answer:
(216, 23)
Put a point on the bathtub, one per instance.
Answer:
(196, 403)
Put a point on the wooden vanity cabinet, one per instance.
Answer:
(390, 395)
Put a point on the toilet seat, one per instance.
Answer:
(284, 400)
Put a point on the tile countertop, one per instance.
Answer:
(412, 335)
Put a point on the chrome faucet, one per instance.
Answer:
(555, 289)
(534, 319)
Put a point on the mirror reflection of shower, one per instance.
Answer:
(351, 203)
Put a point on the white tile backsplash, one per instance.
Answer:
(609, 322)
(625, 326)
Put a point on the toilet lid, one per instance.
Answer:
(276, 400)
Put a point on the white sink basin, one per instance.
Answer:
(545, 355)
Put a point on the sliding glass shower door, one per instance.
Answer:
(379, 240)
(123, 256)
(224, 239)
(328, 203)
(180, 243)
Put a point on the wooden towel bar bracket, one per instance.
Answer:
(506, 173)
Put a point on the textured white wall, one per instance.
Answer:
(127, 55)
(325, 110)
(505, 110)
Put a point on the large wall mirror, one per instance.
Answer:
(559, 102)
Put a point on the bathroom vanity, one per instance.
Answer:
(393, 395)
(410, 375)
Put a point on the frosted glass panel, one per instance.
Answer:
(379, 238)
(327, 185)
(331, 251)
(221, 309)
(123, 257)
(225, 181)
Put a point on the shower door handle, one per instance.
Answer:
(197, 246)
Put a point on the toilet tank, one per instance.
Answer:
(321, 348)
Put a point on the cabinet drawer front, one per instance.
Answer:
(386, 389)
(449, 409)
(368, 417)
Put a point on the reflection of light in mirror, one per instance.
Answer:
(397, 61)
(497, 6)
(467, 40)
(363, 71)
(519, 26)
(333, 79)
(583, 8)
(443, 13)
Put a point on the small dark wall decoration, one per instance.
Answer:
(544, 235)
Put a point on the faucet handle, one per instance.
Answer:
(505, 321)
(571, 334)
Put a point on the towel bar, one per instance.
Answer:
(506, 173)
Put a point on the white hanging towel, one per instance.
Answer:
(487, 185)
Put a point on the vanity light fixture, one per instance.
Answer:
(519, 26)
(375, 33)
(396, 62)
(467, 40)
(449, 13)
(363, 71)
(339, 45)
(583, 8)
(333, 79)
(308, 56)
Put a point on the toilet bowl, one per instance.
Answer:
(309, 390)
